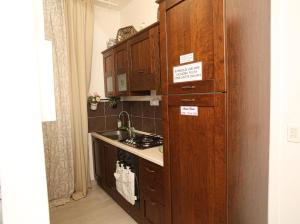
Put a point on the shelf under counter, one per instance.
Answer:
(153, 155)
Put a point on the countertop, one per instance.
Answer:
(154, 154)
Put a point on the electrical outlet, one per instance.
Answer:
(154, 102)
(293, 134)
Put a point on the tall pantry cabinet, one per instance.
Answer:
(215, 66)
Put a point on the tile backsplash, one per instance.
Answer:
(143, 116)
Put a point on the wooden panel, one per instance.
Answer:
(171, 3)
(144, 61)
(153, 211)
(151, 180)
(248, 65)
(195, 26)
(121, 67)
(198, 162)
(110, 153)
(109, 72)
(98, 161)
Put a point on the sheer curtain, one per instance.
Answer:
(69, 24)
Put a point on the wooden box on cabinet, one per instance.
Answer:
(144, 60)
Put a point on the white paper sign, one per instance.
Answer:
(187, 73)
(186, 58)
(189, 111)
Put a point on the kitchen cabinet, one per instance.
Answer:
(216, 113)
(197, 158)
(132, 67)
(144, 60)
(152, 203)
(121, 70)
(109, 73)
(150, 209)
(110, 160)
(195, 38)
(98, 156)
(104, 160)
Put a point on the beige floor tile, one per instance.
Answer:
(97, 208)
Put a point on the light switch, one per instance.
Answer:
(293, 134)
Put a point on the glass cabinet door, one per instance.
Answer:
(109, 84)
(122, 82)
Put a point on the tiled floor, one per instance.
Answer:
(97, 208)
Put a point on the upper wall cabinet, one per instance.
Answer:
(195, 46)
(133, 66)
(144, 60)
(121, 70)
(109, 73)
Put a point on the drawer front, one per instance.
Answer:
(153, 191)
(150, 173)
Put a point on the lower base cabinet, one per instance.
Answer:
(151, 206)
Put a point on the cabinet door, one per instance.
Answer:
(195, 46)
(121, 69)
(197, 158)
(98, 160)
(110, 166)
(109, 73)
(153, 211)
(144, 61)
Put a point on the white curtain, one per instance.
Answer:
(57, 135)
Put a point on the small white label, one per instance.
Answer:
(186, 58)
(189, 111)
(187, 73)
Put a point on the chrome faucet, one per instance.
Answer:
(129, 122)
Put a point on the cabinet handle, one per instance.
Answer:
(141, 71)
(152, 202)
(149, 170)
(188, 100)
(151, 189)
(188, 87)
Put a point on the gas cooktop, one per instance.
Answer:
(141, 141)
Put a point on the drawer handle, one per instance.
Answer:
(152, 202)
(149, 170)
(151, 189)
(188, 87)
(141, 71)
(188, 100)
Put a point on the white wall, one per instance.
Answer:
(22, 160)
(284, 191)
(138, 12)
(106, 25)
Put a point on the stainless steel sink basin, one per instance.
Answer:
(115, 135)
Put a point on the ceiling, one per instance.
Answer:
(115, 4)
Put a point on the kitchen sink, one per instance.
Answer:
(119, 135)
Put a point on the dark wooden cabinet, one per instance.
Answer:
(216, 128)
(104, 160)
(121, 70)
(98, 156)
(133, 66)
(110, 159)
(150, 209)
(144, 60)
(151, 184)
(109, 73)
(197, 159)
(195, 27)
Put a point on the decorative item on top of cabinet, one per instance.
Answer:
(125, 33)
(195, 46)
(144, 60)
